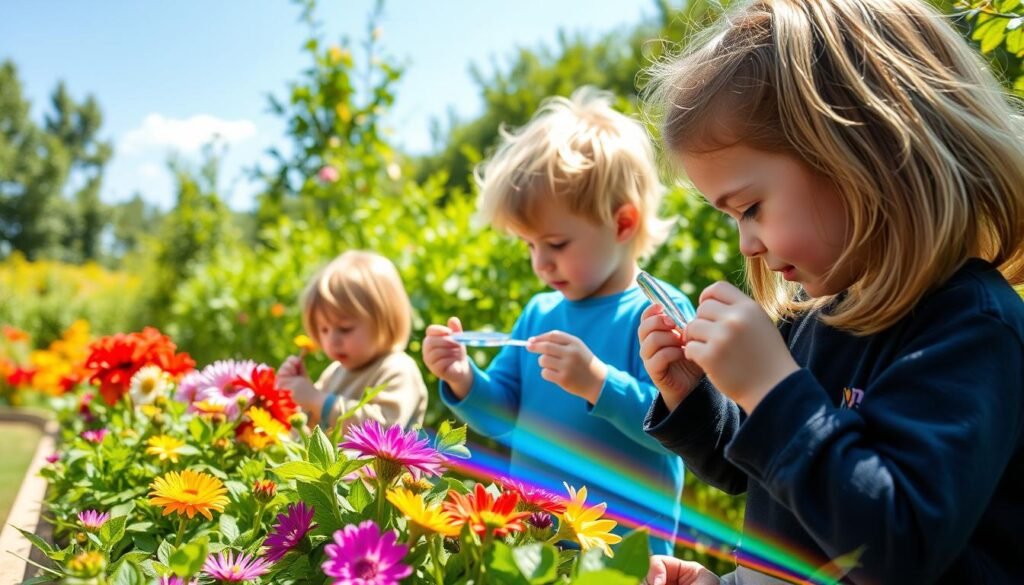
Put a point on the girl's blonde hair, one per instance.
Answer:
(364, 286)
(885, 99)
(584, 153)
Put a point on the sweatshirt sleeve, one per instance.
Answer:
(698, 430)
(491, 406)
(907, 474)
(624, 401)
(402, 393)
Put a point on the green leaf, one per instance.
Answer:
(537, 562)
(132, 557)
(163, 552)
(321, 451)
(358, 496)
(502, 567)
(128, 574)
(297, 470)
(228, 528)
(325, 507)
(591, 560)
(605, 577)
(631, 555)
(189, 558)
(35, 540)
(145, 542)
(112, 531)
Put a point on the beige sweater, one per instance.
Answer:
(402, 401)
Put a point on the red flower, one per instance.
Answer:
(21, 376)
(278, 401)
(535, 499)
(115, 359)
(485, 514)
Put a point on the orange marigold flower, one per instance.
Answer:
(188, 493)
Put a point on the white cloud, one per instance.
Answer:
(186, 136)
(151, 170)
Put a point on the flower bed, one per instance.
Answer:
(173, 475)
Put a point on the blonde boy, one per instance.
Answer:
(579, 186)
(359, 313)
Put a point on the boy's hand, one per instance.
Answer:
(565, 360)
(447, 358)
(738, 346)
(661, 349)
(665, 570)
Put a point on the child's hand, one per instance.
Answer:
(738, 346)
(447, 358)
(565, 360)
(665, 570)
(304, 392)
(661, 349)
(292, 367)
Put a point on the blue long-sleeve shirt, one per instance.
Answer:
(908, 443)
(555, 436)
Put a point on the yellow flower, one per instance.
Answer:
(427, 518)
(150, 410)
(188, 493)
(584, 525)
(265, 429)
(305, 343)
(165, 447)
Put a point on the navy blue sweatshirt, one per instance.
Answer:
(908, 442)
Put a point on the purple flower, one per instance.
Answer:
(215, 384)
(394, 448)
(95, 436)
(290, 529)
(92, 520)
(53, 458)
(540, 519)
(364, 556)
(226, 567)
(175, 580)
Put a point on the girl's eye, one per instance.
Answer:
(751, 212)
(558, 245)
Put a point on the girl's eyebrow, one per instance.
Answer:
(720, 201)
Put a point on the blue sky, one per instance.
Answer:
(167, 74)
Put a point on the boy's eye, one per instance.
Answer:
(751, 212)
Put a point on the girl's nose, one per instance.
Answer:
(750, 244)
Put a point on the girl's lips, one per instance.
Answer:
(559, 284)
(789, 273)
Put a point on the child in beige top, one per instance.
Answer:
(359, 313)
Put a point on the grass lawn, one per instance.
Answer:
(19, 445)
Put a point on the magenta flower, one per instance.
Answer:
(328, 174)
(540, 519)
(290, 529)
(175, 580)
(53, 458)
(364, 556)
(215, 384)
(393, 448)
(92, 520)
(230, 569)
(95, 436)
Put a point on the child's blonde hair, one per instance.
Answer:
(582, 152)
(885, 99)
(365, 286)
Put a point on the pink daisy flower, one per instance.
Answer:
(393, 449)
(92, 520)
(361, 555)
(226, 567)
(289, 531)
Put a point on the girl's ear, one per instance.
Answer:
(627, 222)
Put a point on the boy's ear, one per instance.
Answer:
(627, 222)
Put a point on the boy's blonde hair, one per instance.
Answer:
(365, 286)
(885, 99)
(582, 152)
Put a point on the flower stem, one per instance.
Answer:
(181, 531)
(381, 487)
(435, 557)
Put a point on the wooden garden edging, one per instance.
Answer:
(27, 509)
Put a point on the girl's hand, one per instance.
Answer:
(738, 346)
(661, 349)
(565, 360)
(665, 570)
(292, 366)
(303, 392)
(446, 358)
